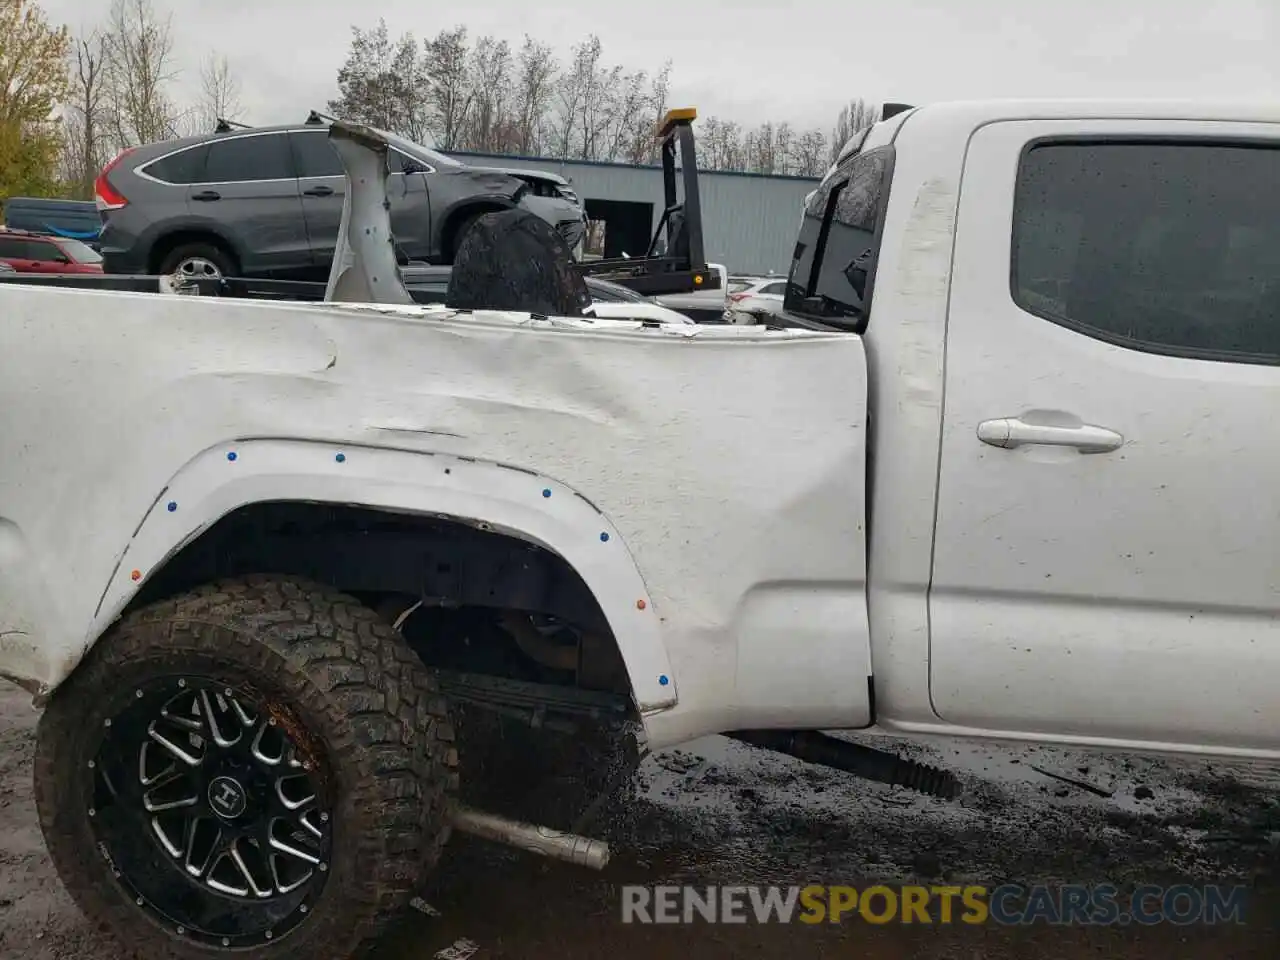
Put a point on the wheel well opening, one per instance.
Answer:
(470, 601)
(170, 242)
(459, 217)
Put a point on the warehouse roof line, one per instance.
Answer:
(557, 161)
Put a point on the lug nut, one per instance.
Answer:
(93, 812)
(138, 694)
(182, 931)
(324, 818)
(303, 908)
(92, 764)
(226, 941)
(182, 683)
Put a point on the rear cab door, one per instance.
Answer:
(249, 185)
(1105, 564)
(830, 287)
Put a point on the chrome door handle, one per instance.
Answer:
(1010, 432)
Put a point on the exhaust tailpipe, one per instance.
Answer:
(569, 847)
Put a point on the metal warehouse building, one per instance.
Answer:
(749, 220)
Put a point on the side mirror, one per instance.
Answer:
(61, 258)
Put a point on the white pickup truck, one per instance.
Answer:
(1015, 480)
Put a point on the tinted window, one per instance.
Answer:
(833, 268)
(240, 159)
(315, 155)
(79, 252)
(184, 167)
(398, 162)
(1173, 248)
(13, 248)
(43, 251)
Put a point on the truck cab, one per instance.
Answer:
(1071, 313)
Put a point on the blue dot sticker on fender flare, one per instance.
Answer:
(547, 492)
(604, 538)
(172, 506)
(231, 456)
(341, 458)
(663, 681)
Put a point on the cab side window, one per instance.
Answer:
(833, 268)
(1167, 247)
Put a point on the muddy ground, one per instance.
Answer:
(719, 812)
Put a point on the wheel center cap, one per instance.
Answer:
(227, 797)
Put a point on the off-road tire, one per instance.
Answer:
(346, 677)
(461, 230)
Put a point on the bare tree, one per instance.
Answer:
(85, 120)
(488, 98)
(490, 124)
(856, 115)
(536, 70)
(810, 154)
(219, 92)
(139, 68)
(452, 92)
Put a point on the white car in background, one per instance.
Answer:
(753, 300)
(704, 306)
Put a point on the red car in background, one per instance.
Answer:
(30, 252)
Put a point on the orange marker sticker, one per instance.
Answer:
(640, 604)
(136, 575)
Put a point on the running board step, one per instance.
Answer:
(814, 747)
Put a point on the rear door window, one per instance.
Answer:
(246, 159)
(13, 248)
(833, 267)
(315, 155)
(44, 252)
(1170, 248)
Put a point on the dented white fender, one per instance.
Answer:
(707, 484)
(533, 508)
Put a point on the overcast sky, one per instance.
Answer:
(752, 61)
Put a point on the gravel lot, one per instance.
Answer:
(719, 812)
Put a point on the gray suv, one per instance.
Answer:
(267, 202)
